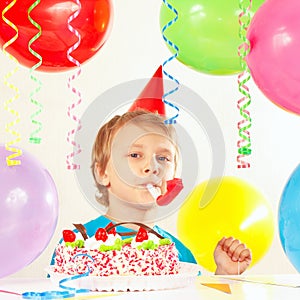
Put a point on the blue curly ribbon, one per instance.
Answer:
(170, 43)
(68, 292)
(47, 295)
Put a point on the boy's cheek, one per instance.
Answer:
(163, 187)
(169, 173)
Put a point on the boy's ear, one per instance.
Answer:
(102, 177)
(105, 179)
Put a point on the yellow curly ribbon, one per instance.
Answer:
(10, 160)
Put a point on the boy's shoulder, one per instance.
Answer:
(184, 253)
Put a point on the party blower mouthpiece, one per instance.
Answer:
(174, 187)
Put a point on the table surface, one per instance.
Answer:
(203, 287)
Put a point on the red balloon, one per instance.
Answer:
(93, 25)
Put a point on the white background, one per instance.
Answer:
(134, 50)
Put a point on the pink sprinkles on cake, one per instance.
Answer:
(107, 254)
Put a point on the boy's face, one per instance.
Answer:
(140, 156)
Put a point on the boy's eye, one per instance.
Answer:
(134, 155)
(163, 158)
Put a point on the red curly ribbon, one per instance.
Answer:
(10, 160)
(244, 144)
(72, 165)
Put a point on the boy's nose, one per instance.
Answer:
(151, 166)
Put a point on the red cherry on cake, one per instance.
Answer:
(113, 230)
(69, 236)
(142, 235)
(101, 235)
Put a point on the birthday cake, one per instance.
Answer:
(107, 253)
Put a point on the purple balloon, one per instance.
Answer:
(28, 211)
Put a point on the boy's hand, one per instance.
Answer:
(231, 257)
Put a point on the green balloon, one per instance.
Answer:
(206, 33)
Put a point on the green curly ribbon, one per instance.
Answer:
(10, 160)
(33, 137)
(244, 144)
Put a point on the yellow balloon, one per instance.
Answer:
(237, 209)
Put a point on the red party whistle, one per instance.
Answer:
(174, 187)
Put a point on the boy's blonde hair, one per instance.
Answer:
(101, 150)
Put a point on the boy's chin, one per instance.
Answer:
(146, 204)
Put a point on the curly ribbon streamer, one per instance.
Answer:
(56, 295)
(9, 292)
(47, 295)
(61, 295)
(171, 120)
(33, 137)
(69, 292)
(72, 166)
(10, 160)
(244, 145)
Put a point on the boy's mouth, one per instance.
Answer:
(154, 190)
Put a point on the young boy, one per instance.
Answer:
(131, 152)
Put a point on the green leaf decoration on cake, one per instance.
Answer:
(116, 246)
(148, 245)
(163, 242)
(78, 244)
(127, 241)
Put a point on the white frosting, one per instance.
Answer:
(92, 243)
(111, 239)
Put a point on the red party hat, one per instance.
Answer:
(151, 97)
